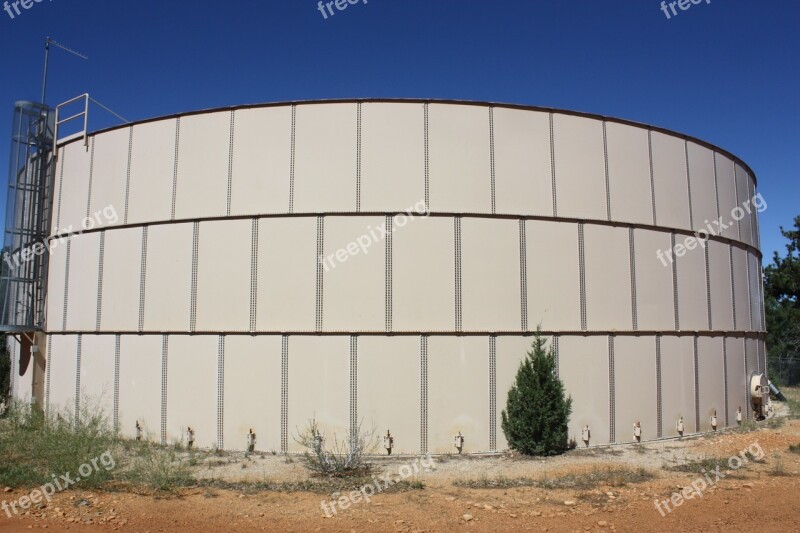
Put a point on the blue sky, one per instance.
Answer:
(726, 71)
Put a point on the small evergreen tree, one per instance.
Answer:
(537, 410)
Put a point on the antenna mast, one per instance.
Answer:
(47, 42)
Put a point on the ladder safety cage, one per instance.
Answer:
(23, 269)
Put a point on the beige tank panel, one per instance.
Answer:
(109, 177)
(261, 163)
(458, 393)
(325, 158)
(635, 387)
(553, 275)
(191, 389)
(389, 390)
(318, 387)
(583, 367)
(523, 176)
(423, 276)
(202, 177)
(63, 365)
(629, 174)
(654, 289)
(223, 275)
(671, 184)
(490, 289)
(677, 384)
(608, 278)
(252, 391)
(140, 385)
(97, 375)
(580, 181)
(152, 171)
(460, 166)
(392, 156)
(287, 289)
(168, 282)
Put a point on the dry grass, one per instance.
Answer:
(615, 477)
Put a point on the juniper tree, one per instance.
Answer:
(537, 410)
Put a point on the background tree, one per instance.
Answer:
(537, 411)
(782, 302)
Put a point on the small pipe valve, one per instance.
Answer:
(251, 441)
(458, 442)
(388, 442)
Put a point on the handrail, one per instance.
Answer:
(84, 114)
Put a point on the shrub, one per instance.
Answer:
(161, 468)
(343, 458)
(537, 411)
(34, 447)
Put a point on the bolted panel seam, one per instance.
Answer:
(175, 167)
(293, 144)
(91, 178)
(353, 387)
(696, 386)
(733, 287)
(582, 276)
(493, 176)
(221, 393)
(128, 175)
(675, 297)
(358, 157)
(492, 392)
(285, 393)
(634, 302)
(688, 182)
(612, 393)
(47, 373)
(659, 391)
(458, 294)
(652, 174)
(523, 275)
(254, 276)
(427, 143)
(423, 394)
(708, 289)
(78, 357)
(66, 286)
(389, 275)
(725, 380)
(607, 174)
(115, 415)
(553, 166)
(193, 290)
(230, 164)
(164, 386)
(320, 273)
(63, 159)
(100, 273)
(143, 279)
(716, 185)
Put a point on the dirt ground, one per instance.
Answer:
(762, 495)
